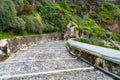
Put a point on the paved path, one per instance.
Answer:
(48, 61)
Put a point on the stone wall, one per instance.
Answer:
(20, 42)
(104, 58)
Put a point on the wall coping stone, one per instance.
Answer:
(106, 53)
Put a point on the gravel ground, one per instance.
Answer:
(55, 57)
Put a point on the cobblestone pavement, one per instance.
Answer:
(48, 61)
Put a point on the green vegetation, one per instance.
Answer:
(25, 17)
(7, 14)
(89, 26)
(18, 5)
(33, 25)
(92, 41)
(106, 13)
(98, 43)
(5, 35)
(52, 18)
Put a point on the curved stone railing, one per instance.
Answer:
(20, 42)
(105, 58)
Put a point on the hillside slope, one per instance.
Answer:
(98, 21)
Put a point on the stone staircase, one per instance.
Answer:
(48, 61)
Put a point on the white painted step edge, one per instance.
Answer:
(48, 72)
(58, 59)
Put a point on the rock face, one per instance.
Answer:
(116, 25)
(115, 28)
(47, 61)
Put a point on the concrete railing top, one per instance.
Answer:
(106, 53)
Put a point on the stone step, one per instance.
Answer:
(46, 47)
(53, 44)
(87, 73)
(47, 51)
(37, 50)
(57, 59)
(39, 66)
(38, 56)
(43, 50)
(48, 61)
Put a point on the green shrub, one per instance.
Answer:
(98, 42)
(7, 14)
(101, 43)
(37, 15)
(19, 24)
(107, 12)
(48, 28)
(26, 2)
(50, 15)
(111, 7)
(92, 41)
(18, 5)
(115, 37)
(105, 16)
(115, 47)
(8, 18)
(24, 33)
(32, 24)
(66, 6)
(84, 40)
(88, 26)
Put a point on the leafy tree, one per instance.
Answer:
(8, 18)
(7, 14)
(33, 25)
(18, 5)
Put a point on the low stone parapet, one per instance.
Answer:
(105, 58)
(20, 42)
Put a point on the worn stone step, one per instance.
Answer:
(39, 66)
(87, 73)
(48, 61)
(38, 56)
(57, 59)
(53, 44)
(46, 47)
(47, 50)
